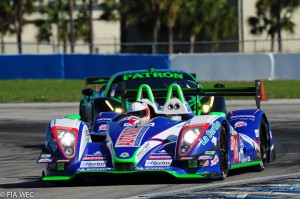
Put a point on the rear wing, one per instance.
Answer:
(230, 91)
(97, 80)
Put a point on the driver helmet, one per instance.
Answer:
(139, 109)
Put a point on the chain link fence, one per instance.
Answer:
(246, 46)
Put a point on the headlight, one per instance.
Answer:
(67, 141)
(206, 107)
(189, 137)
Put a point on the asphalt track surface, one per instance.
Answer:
(22, 133)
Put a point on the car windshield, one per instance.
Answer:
(115, 88)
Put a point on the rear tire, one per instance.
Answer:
(263, 131)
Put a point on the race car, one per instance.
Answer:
(169, 139)
(108, 97)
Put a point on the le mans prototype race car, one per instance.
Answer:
(108, 98)
(175, 141)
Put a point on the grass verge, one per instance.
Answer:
(24, 91)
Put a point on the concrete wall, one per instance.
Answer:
(287, 66)
(239, 67)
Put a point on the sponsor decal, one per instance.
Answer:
(87, 133)
(244, 159)
(92, 164)
(205, 157)
(97, 153)
(152, 75)
(94, 158)
(103, 119)
(95, 169)
(45, 160)
(131, 136)
(162, 151)
(234, 148)
(240, 124)
(102, 127)
(135, 121)
(186, 158)
(209, 153)
(158, 163)
(62, 160)
(210, 133)
(139, 124)
(205, 163)
(52, 143)
(215, 160)
(235, 117)
(143, 151)
(159, 157)
(124, 155)
(214, 140)
(232, 131)
(158, 168)
(256, 132)
(64, 128)
(45, 156)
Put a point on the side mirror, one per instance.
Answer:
(87, 92)
(219, 86)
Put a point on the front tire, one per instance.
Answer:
(224, 167)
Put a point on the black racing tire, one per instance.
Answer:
(263, 140)
(223, 147)
(81, 112)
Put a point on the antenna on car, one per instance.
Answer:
(151, 69)
(123, 100)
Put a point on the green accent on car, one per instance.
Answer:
(124, 160)
(100, 81)
(73, 116)
(193, 163)
(143, 75)
(60, 166)
(179, 92)
(67, 178)
(149, 93)
(57, 178)
(220, 114)
(245, 164)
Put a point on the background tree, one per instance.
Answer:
(85, 22)
(6, 22)
(273, 16)
(19, 9)
(72, 32)
(128, 12)
(221, 21)
(56, 12)
(213, 20)
(172, 10)
(191, 20)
